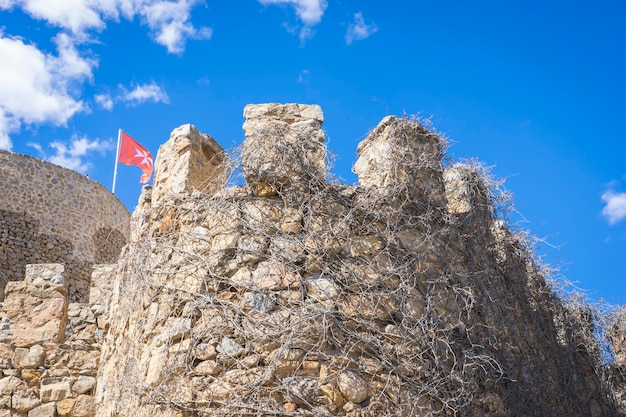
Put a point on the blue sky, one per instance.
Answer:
(536, 89)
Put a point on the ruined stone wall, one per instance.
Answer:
(400, 296)
(50, 347)
(50, 214)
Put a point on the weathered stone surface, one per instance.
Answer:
(188, 161)
(37, 307)
(466, 191)
(321, 289)
(302, 389)
(229, 347)
(65, 407)
(32, 357)
(9, 384)
(44, 410)
(25, 401)
(84, 406)
(353, 387)
(54, 389)
(401, 153)
(284, 147)
(84, 385)
(288, 112)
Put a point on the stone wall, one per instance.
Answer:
(49, 214)
(400, 296)
(50, 347)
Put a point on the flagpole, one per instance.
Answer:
(117, 155)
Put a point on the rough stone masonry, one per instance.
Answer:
(400, 296)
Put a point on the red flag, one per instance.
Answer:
(132, 153)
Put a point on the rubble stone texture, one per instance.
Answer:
(50, 347)
(52, 214)
(402, 296)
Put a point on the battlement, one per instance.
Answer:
(291, 296)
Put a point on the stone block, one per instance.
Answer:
(401, 155)
(25, 401)
(65, 407)
(29, 358)
(84, 406)
(188, 161)
(44, 410)
(466, 191)
(54, 389)
(353, 387)
(284, 147)
(9, 384)
(84, 385)
(37, 308)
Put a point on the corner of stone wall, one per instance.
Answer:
(49, 347)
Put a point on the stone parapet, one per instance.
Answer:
(293, 297)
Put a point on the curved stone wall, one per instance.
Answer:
(50, 214)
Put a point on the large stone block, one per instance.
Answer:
(188, 161)
(401, 154)
(37, 307)
(284, 147)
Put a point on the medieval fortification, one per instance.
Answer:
(292, 295)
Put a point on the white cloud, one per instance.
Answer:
(615, 209)
(105, 101)
(169, 21)
(74, 15)
(75, 154)
(36, 87)
(310, 12)
(359, 30)
(145, 92)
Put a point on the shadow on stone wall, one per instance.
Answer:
(22, 243)
(108, 243)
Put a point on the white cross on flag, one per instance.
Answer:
(132, 153)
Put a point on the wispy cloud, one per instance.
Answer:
(615, 208)
(304, 76)
(138, 94)
(105, 101)
(74, 154)
(143, 93)
(359, 29)
(36, 87)
(310, 13)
